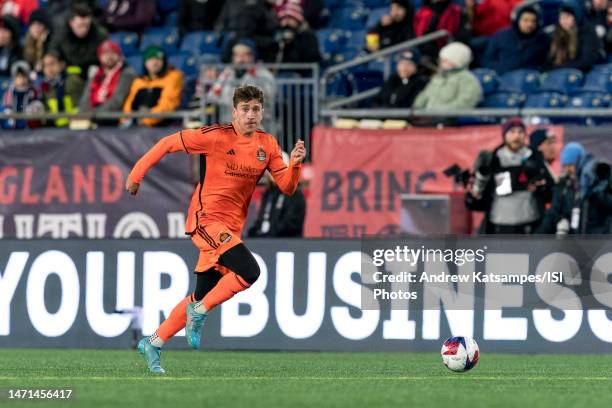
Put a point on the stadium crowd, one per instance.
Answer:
(131, 55)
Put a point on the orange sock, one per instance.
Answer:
(176, 321)
(228, 286)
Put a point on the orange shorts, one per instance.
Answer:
(212, 240)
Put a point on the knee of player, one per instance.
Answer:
(253, 274)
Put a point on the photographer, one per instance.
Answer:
(510, 185)
(582, 201)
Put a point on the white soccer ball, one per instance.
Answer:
(460, 353)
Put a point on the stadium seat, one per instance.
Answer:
(135, 61)
(597, 81)
(347, 54)
(545, 100)
(602, 67)
(375, 15)
(5, 81)
(355, 39)
(589, 100)
(488, 79)
(204, 42)
(209, 59)
(185, 61)
(164, 37)
(336, 4)
(128, 42)
(331, 40)
(348, 18)
(171, 19)
(503, 100)
(565, 80)
(366, 79)
(521, 81)
(372, 4)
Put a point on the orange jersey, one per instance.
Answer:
(234, 164)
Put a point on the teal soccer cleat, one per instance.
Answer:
(193, 326)
(151, 355)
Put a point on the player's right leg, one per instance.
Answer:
(241, 271)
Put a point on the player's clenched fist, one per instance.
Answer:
(299, 152)
(131, 187)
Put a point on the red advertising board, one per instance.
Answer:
(359, 175)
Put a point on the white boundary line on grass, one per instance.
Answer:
(399, 378)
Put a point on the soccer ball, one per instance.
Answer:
(460, 353)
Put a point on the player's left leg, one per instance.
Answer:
(241, 271)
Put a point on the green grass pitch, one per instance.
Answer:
(117, 378)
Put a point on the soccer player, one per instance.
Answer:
(232, 159)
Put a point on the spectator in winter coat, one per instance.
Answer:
(79, 39)
(9, 44)
(524, 45)
(20, 97)
(243, 72)
(394, 27)
(574, 42)
(37, 39)
(402, 87)
(128, 15)
(256, 21)
(109, 83)
(158, 90)
(61, 87)
(296, 41)
(454, 86)
(582, 200)
(198, 15)
(599, 15)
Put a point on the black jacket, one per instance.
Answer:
(397, 94)
(509, 49)
(396, 32)
(303, 48)
(594, 204)
(255, 21)
(590, 51)
(284, 213)
(198, 15)
(81, 52)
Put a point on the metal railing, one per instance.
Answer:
(293, 112)
(385, 53)
(294, 107)
(331, 115)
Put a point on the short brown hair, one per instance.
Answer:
(247, 93)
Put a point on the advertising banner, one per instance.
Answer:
(359, 175)
(64, 184)
(511, 295)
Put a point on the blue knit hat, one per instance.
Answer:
(572, 153)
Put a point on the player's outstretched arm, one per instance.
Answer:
(168, 144)
(287, 177)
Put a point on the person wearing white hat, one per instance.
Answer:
(454, 86)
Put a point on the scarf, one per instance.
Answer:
(104, 84)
